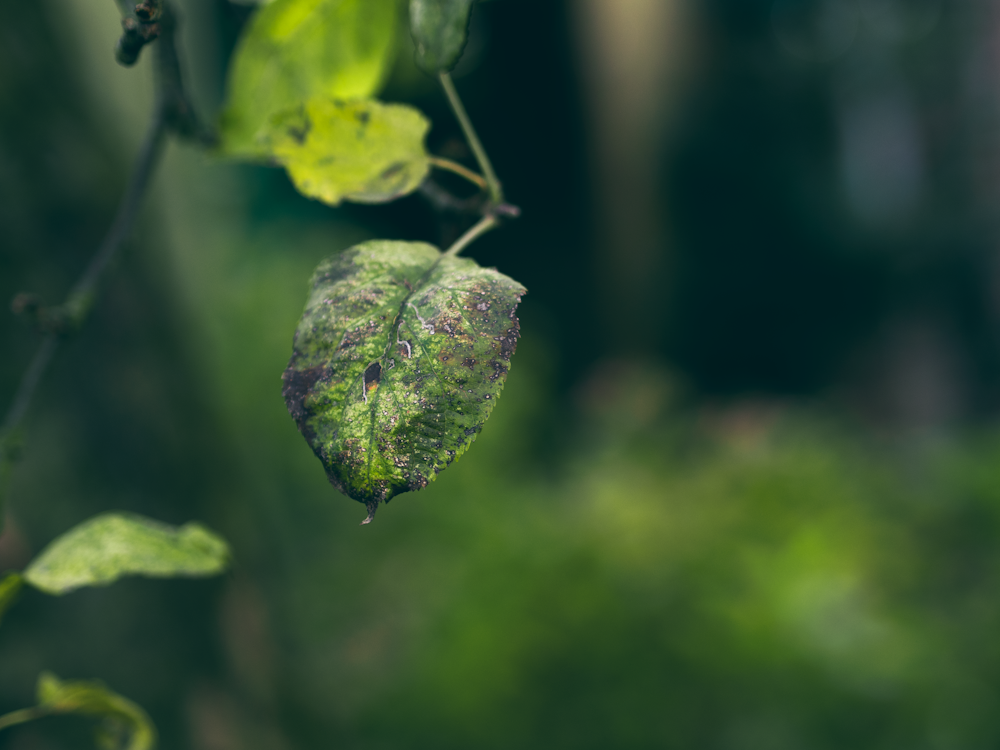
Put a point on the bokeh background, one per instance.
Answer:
(743, 487)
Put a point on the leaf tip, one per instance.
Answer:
(372, 507)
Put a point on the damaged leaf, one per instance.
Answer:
(400, 355)
(362, 151)
(440, 29)
(294, 50)
(105, 548)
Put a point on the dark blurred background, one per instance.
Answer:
(742, 490)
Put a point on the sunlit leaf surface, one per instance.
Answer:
(294, 50)
(362, 151)
(101, 550)
(398, 360)
(440, 29)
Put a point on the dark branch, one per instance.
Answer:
(26, 389)
(172, 113)
(64, 320)
(140, 26)
(81, 298)
(445, 202)
(178, 110)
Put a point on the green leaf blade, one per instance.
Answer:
(440, 29)
(105, 548)
(362, 151)
(295, 50)
(399, 358)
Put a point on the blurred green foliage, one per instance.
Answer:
(124, 725)
(103, 549)
(620, 561)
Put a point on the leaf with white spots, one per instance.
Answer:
(399, 358)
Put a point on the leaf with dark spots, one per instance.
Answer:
(298, 132)
(295, 50)
(361, 151)
(440, 29)
(424, 367)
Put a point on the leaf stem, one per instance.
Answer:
(23, 715)
(496, 191)
(484, 225)
(450, 166)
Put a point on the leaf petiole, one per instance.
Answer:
(496, 191)
(23, 716)
(450, 166)
(482, 227)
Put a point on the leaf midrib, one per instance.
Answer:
(394, 334)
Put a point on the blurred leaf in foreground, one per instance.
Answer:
(101, 550)
(365, 151)
(400, 355)
(440, 29)
(294, 50)
(10, 587)
(125, 725)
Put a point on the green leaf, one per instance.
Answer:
(295, 50)
(399, 357)
(125, 725)
(10, 587)
(362, 151)
(440, 29)
(109, 546)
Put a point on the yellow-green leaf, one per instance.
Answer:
(294, 50)
(109, 546)
(361, 151)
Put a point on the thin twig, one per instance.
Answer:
(496, 191)
(443, 201)
(26, 389)
(451, 166)
(484, 225)
(82, 296)
(172, 113)
(80, 299)
(140, 26)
